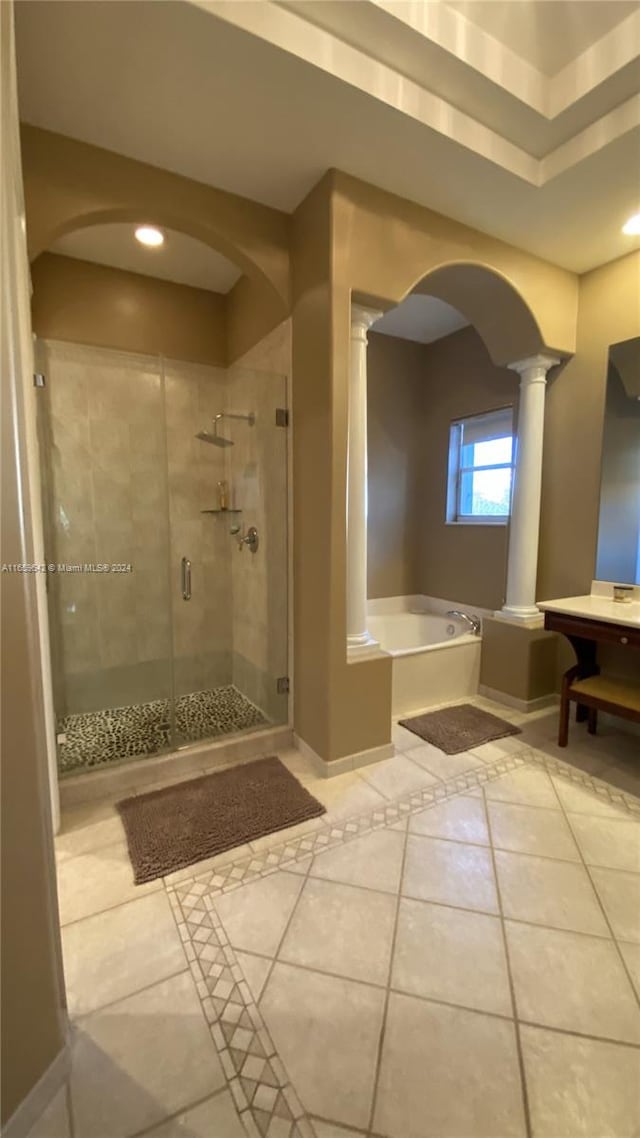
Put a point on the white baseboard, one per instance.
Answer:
(40, 1096)
(373, 755)
(347, 762)
(519, 704)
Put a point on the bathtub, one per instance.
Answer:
(436, 659)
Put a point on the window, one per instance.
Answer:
(481, 457)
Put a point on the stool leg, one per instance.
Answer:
(592, 723)
(563, 728)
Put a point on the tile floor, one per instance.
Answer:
(452, 951)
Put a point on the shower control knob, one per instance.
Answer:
(251, 539)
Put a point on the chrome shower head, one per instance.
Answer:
(214, 438)
(219, 440)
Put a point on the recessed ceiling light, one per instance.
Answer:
(632, 226)
(148, 235)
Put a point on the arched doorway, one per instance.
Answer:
(506, 342)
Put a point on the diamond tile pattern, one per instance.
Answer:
(256, 1077)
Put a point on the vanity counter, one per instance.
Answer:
(595, 608)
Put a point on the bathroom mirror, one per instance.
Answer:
(618, 555)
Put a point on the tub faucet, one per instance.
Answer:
(474, 621)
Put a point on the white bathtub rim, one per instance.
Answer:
(440, 645)
(420, 606)
(429, 606)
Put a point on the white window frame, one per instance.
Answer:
(455, 472)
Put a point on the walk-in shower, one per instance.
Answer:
(139, 664)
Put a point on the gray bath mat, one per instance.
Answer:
(177, 826)
(456, 729)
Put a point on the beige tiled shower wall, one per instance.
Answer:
(257, 473)
(202, 625)
(121, 490)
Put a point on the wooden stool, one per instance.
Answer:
(596, 693)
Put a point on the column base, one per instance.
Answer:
(363, 649)
(356, 638)
(527, 617)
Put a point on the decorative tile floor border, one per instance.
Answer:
(620, 798)
(233, 874)
(267, 1103)
(262, 1091)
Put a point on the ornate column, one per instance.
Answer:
(522, 562)
(358, 640)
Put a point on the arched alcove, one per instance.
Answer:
(492, 304)
(70, 185)
(489, 301)
(460, 384)
(208, 234)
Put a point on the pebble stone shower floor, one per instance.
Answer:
(93, 738)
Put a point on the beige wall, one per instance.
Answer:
(609, 311)
(31, 987)
(32, 1019)
(312, 467)
(415, 392)
(85, 303)
(522, 662)
(396, 426)
(251, 314)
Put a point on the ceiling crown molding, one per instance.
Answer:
(506, 110)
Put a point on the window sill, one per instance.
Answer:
(486, 521)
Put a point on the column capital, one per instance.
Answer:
(534, 368)
(361, 321)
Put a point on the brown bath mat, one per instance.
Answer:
(456, 729)
(177, 826)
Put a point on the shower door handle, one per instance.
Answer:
(186, 579)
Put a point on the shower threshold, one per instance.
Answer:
(96, 738)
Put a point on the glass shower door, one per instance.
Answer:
(165, 507)
(227, 474)
(105, 500)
